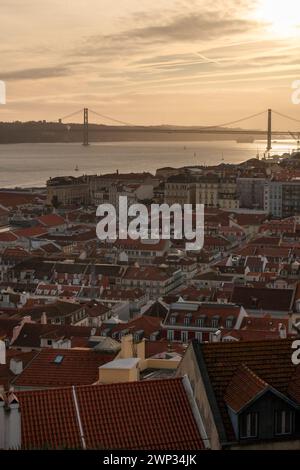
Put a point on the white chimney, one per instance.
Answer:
(282, 331)
(16, 366)
(44, 318)
(23, 298)
(2, 352)
(13, 423)
(217, 336)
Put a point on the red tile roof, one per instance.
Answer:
(78, 367)
(269, 360)
(31, 232)
(51, 220)
(31, 333)
(15, 253)
(154, 414)
(263, 298)
(48, 419)
(6, 375)
(205, 311)
(8, 237)
(244, 386)
(13, 199)
(7, 327)
(146, 323)
(163, 346)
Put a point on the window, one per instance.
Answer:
(173, 319)
(49, 342)
(283, 422)
(214, 322)
(248, 425)
(198, 336)
(200, 322)
(184, 336)
(170, 335)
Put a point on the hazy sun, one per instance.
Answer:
(283, 16)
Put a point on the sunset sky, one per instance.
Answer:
(188, 62)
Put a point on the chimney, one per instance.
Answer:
(2, 352)
(282, 331)
(16, 366)
(12, 423)
(44, 318)
(127, 347)
(23, 298)
(216, 336)
(141, 349)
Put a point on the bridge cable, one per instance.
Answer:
(286, 117)
(111, 119)
(72, 114)
(235, 122)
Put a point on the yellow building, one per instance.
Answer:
(131, 362)
(65, 190)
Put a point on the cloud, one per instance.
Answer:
(36, 73)
(180, 29)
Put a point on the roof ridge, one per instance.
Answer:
(254, 374)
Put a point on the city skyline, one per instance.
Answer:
(175, 62)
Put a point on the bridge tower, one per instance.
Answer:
(269, 144)
(85, 126)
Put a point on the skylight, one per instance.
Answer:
(58, 359)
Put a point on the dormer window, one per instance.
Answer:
(283, 422)
(249, 425)
(200, 322)
(229, 322)
(187, 319)
(215, 322)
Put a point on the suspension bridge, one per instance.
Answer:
(221, 128)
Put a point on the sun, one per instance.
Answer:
(282, 16)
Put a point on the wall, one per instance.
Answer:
(190, 367)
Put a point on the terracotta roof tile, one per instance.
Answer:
(51, 220)
(154, 414)
(78, 367)
(243, 387)
(48, 419)
(258, 298)
(269, 360)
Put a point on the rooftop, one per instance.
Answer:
(154, 414)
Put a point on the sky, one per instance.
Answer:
(182, 62)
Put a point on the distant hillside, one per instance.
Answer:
(41, 131)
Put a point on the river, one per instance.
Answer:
(30, 165)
